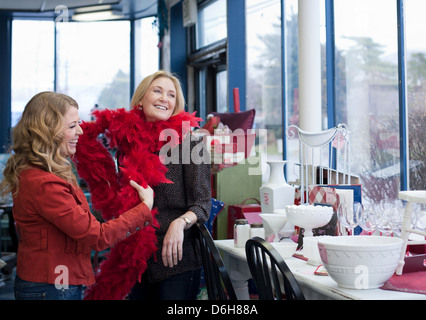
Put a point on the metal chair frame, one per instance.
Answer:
(269, 270)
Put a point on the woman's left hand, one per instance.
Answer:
(172, 250)
(172, 243)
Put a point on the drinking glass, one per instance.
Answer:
(389, 219)
(419, 216)
(347, 217)
(367, 218)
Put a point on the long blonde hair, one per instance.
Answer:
(146, 82)
(37, 140)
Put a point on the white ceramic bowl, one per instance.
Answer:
(360, 262)
(285, 249)
(309, 217)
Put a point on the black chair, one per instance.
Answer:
(218, 283)
(269, 273)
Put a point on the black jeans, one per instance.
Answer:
(183, 286)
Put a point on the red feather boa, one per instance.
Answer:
(137, 142)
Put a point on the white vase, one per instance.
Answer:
(276, 193)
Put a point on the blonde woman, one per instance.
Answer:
(56, 229)
(136, 269)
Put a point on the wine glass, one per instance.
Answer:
(367, 218)
(397, 214)
(347, 217)
(419, 216)
(384, 212)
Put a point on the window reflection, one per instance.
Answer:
(32, 62)
(416, 92)
(264, 85)
(93, 62)
(146, 49)
(367, 92)
(211, 25)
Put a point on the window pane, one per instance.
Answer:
(292, 84)
(264, 83)
(32, 62)
(146, 49)
(367, 92)
(211, 25)
(93, 64)
(416, 94)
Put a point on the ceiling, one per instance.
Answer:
(131, 9)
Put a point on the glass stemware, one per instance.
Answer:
(384, 217)
(348, 216)
(419, 216)
(367, 218)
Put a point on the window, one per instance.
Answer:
(211, 25)
(32, 62)
(264, 85)
(146, 49)
(416, 92)
(367, 92)
(93, 62)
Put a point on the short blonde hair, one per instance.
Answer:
(144, 85)
(37, 139)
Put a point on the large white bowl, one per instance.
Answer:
(360, 262)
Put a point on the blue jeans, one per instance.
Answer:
(183, 286)
(27, 290)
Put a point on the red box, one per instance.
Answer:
(236, 211)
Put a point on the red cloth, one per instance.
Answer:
(413, 282)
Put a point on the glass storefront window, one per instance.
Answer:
(93, 60)
(264, 85)
(146, 49)
(416, 92)
(32, 62)
(211, 25)
(367, 92)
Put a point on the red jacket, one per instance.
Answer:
(57, 231)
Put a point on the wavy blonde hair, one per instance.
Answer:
(146, 82)
(37, 140)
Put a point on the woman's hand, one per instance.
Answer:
(145, 194)
(172, 250)
(171, 253)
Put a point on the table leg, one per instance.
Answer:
(239, 273)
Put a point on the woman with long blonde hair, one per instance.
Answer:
(157, 263)
(56, 229)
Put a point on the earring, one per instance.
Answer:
(140, 107)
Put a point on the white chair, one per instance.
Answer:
(411, 197)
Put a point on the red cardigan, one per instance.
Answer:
(57, 231)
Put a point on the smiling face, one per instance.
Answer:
(159, 101)
(71, 132)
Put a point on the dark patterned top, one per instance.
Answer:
(190, 191)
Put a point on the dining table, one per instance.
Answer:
(313, 285)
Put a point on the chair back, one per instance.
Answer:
(269, 272)
(218, 283)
